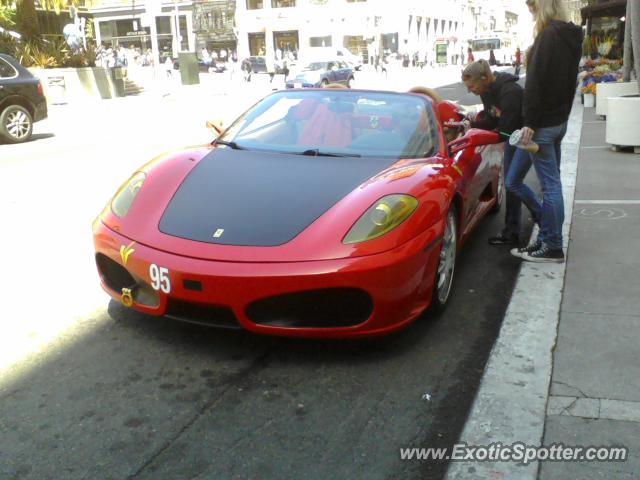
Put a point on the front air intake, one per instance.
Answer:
(327, 308)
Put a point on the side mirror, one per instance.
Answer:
(215, 126)
(474, 138)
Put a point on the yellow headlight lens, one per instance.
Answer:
(124, 197)
(385, 215)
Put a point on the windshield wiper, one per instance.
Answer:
(316, 152)
(233, 145)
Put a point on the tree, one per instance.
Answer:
(632, 41)
(57, 5)
(27, 19)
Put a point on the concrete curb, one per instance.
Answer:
(511, 403)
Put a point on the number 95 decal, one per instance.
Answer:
(160, 278)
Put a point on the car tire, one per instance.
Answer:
(16, 124)
(349, 80)
(446, 263)
(500, 192)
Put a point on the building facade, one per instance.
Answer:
(214, 24)
(365, 27)
(128, 23)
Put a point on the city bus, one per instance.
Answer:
(503, 47)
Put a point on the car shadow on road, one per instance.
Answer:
(210, 339)
(34, 138)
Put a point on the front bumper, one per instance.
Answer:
(351, 297)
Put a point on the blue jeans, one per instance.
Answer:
(516, 166)
(546, 162)
(520, 165)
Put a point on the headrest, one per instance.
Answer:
(449, 112)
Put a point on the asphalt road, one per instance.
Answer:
(113, 394)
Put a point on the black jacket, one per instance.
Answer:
(502, 105)
(552, 75)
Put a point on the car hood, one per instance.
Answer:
(244, 198)
(190, 196)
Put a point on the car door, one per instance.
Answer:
(343, 72)
(474, 165)
(332, 69)
(8, 79)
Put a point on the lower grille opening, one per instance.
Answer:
(328, 308)
(202, 314)
(115, 275)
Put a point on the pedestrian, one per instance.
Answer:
(470, 57)
(206, 58)
(502, 112)
(518, 61)
(168, 66)
(270, 64)
(285, 67)
(382, 60)
(552, 70)
(247, 69)
(492, 58)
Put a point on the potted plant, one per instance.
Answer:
(589, 92)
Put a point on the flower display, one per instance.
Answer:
(589, 88)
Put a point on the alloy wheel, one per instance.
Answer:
(447, 264)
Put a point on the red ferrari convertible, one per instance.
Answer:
(317, 213)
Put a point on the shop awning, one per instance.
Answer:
(614, 8)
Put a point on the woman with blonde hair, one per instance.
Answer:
(552, 70)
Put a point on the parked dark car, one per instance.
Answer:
(22, 101)
(318, 74)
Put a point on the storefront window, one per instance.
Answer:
(163, 24)
(254, 4)
(283, 3)
(356, 44)
(184, 35)
(606, 36)
(123, 27)
(320, 41)
(257, 44)
(286, 41)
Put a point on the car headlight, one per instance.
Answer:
(383, 216)
(126, 194)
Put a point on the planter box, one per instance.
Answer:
(589, 100)
(612, 89)
(623, 119)
(65, 85)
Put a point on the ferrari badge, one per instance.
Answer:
(125, 251)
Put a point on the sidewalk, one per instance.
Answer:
(566, 366)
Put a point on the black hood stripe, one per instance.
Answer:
(261, 199)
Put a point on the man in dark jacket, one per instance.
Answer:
(502, 101)
(552, 70)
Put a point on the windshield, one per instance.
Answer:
(485, 44)
(338, 123)
(316, 66)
